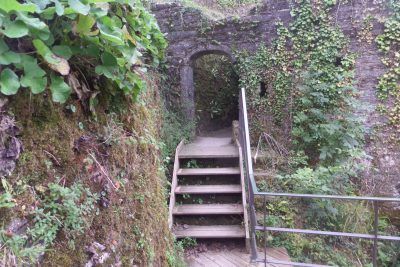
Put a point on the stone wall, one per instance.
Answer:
(191, 34)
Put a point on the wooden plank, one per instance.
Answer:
(240, 257)
(195, 151)
(208, 209)
(234, 261)
(174, 183)
(209, 171)
(219, 260)
(208, 189)
(211, 231)
(237, 258)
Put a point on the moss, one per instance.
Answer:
(125, 139)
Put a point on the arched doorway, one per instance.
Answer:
(210, 88)
(215, 92)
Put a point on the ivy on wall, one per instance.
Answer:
(389, 83)
(309, 76)
(301, 91)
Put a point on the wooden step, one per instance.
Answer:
(193, 151)
(209, 171)
(208, 189)
(208, 209)
(210, 231)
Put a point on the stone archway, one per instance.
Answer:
(186, 73)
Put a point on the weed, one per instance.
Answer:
(192, 164)
(65, 209)
(187, 242)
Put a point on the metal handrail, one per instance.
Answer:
(244, 139)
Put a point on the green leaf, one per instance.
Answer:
(62, 51)
(79, 7)
(56, 63)
(3, 46)
(114, 36)
(15, 29)
(41, 3)
(6, 200)
(108, 71)
(59, 89)
(48, 13)
(10, 5)
(108, 59)
(85, 24)
(100, 1)
(31, 68)
(9, 57)
(59, 8)
(36, 84)
(9, 82)
(32, 22)
(45, 52)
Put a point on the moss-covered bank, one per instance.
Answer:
(115, 154)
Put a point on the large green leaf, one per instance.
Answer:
(62, 51)
(85, 24)
(108, 59)
(3, 46)
(31, 68)
(41, 4)
(10, 5)
(56, 63)
(59, 7)
(32, 22)
(59, 89)
(9, 57)
(114, 36)
(9, 82)
(79, 7)
(36, 84)
(15, 29)
(45, 52)
(109, 67)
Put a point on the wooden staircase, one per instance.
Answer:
(223, 180)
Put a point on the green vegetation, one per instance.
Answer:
(83, 174)
(175, 258)
(115, 157)
(65, 209)
(62, 209)
(217, 9)
(389, 83)
(301, 92)
(81, 40)
(216, 87)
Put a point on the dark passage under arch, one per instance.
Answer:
(215, 91)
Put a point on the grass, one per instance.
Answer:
(217, 9)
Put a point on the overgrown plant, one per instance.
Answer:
(309, 86)
(63, 208)
(301, 91)
(66, 209)
(73, 45)
(389, 83)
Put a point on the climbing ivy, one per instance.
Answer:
(301, 91)
(389, 83)
(309, 85)
(67, 45)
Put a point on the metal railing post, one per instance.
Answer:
(375, 246)
(265, 231)
(253, 192)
